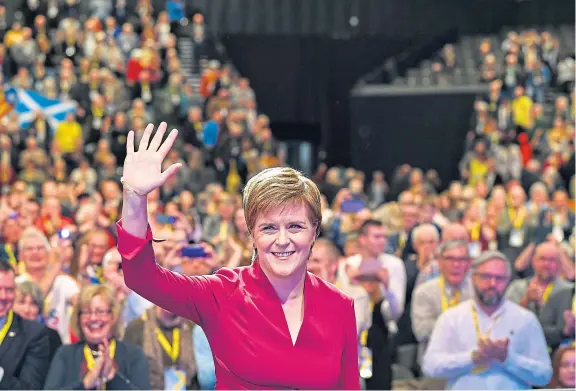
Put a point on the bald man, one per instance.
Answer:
(455, 231)
(533, 293)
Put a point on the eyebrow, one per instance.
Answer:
(290, 222)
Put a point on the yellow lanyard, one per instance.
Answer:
(402, 240)
(364, 334)
(480, 336)
(517, 217)
(90, 361)
(547, 292)
(47, 303)
(475, 233)
(455, 297)
(6, 327)
(574, 305)
(223, 231)
(173, 351)
(11, 256)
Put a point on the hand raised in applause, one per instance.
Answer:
(494, 349)
(142, 169)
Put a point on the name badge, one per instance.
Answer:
(516, 238)
(174, 379)
(474, 248)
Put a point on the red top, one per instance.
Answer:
(243, 319)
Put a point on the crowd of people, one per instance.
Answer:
(411, 254)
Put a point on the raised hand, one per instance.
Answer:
(142, 170)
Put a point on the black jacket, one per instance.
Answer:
(68, 368)
(24, 355)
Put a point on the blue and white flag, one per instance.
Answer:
(29, 102)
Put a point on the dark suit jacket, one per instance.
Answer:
(382, 352)
(552, 317)
(68, 369)
(24, 355)
(55, 341)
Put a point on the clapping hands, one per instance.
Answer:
(491, 350)
(103, 370)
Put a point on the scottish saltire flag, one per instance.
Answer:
(8, 99)
(29, 102)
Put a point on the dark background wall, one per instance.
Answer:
(424, 127)
(303, 56)
(394, 18)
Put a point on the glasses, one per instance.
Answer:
(489, 277)
(98, 313)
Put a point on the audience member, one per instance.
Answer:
(24, 344)
(487, 336)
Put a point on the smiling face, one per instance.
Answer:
(284, 238)
(96, 320)
(566, 369)
(25, 306)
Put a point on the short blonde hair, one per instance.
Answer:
(32, 233)
(85, 297)
(280, 186)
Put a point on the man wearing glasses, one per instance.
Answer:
(488, 342)
(433, 297)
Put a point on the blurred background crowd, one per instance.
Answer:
(125, 64)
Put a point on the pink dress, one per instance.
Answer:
(243, 319)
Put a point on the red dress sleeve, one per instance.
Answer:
(349, 377)
(197, 298)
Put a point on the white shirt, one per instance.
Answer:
(449, 353)
(394, 296)
(58, 306)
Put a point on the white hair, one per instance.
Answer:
(423, 229)
(84, 211)
(32, 233)
(109, 256)
(538, 186)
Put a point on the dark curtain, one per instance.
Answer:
(426, 130)
(303, 83)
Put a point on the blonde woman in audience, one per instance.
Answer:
(100, 360)
(563, 364)
(43, 268)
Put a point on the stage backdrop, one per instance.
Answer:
(425, 127)
(304, 56)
